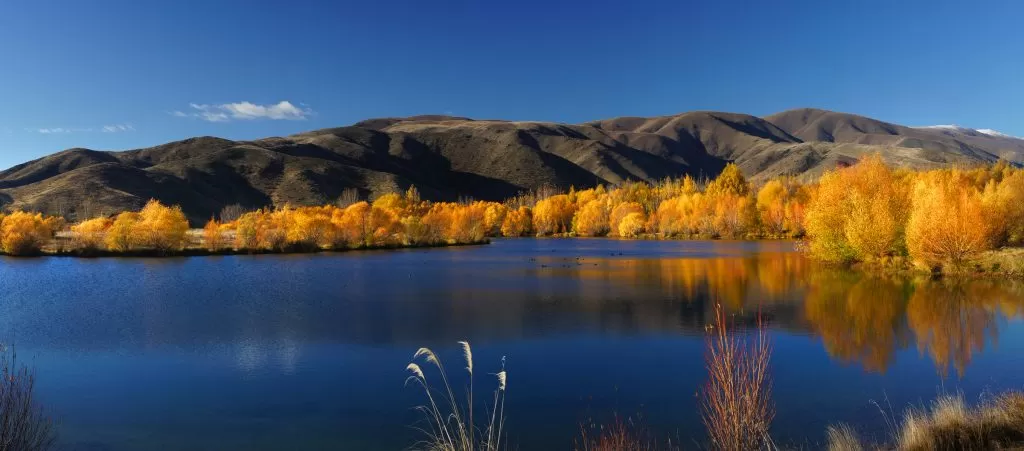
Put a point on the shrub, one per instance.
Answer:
(24, 425)
(947, 222)
(592, 218)
(517, 222)
(91, 234)
(121, 235)
(24, 233)
(736, 400)
(161, 227)
(553, 215)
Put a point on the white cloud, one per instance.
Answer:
(225, 112)
(115, 128)
(118, 128)
(59, 130)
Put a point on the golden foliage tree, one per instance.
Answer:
(592, 218)
(213, 237)
(517, 222)
(121, 235)
(730, 181)
(947, 222)
(23, 233)
(91, 234)
(161, 227)
(553, 215)
(620, 212)
(857, 213)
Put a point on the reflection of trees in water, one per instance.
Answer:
(864, 318)
(952, 320)
(858, 318)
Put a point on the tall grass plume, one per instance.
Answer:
(449, 422)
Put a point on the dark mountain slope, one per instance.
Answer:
(452, 157)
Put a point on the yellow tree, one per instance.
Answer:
(121, 236)
(632, 225)
(619, 213)
(161, 227)
(24, 233)
(91, 233)
(947, 221)
(517, 222)
(213, 239)
(592, 218)
(553, 215)
(730, 181)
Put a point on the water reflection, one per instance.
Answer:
(268, 309)
(288, 352)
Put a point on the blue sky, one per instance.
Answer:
(116, 75)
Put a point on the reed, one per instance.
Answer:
(448, 424)
(618, 436)
(23, 424)
(737, 408)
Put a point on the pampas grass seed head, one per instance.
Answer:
(467, 353)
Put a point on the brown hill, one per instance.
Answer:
(452, 157)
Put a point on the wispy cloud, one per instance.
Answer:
(60, 130)
(225, 112)
(117, 128)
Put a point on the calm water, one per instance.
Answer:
(308, 352)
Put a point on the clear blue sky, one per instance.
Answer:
(68, 69)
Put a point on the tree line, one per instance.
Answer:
(864, 212)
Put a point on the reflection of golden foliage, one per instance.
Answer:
(952, 321)
(856, 316)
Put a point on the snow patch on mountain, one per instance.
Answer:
(969, 131)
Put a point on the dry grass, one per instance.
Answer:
(448, 424)
(950, 424)
(619, 436)
(23, 424)
(1003, 262)
(736, 401)
(843, 438)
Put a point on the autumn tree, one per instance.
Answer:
(730, 181)
(620, 212)
(592, 218)
(121, 234)
(553, 215)
(24, 233)
(91, 234)
(948, 222)
(858, 213)
(213, 237)
(517, 222)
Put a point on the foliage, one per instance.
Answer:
(24, 233)
(858, 213)
(91, 234)
(948, 222)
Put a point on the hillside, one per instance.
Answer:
(452, 157)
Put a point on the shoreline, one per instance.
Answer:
(198, 252)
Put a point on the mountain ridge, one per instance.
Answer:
(451, 157)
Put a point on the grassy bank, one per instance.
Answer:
(58, 251)
(998, 263)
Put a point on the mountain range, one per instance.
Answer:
(448, 158)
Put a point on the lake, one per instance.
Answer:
(309, 351)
